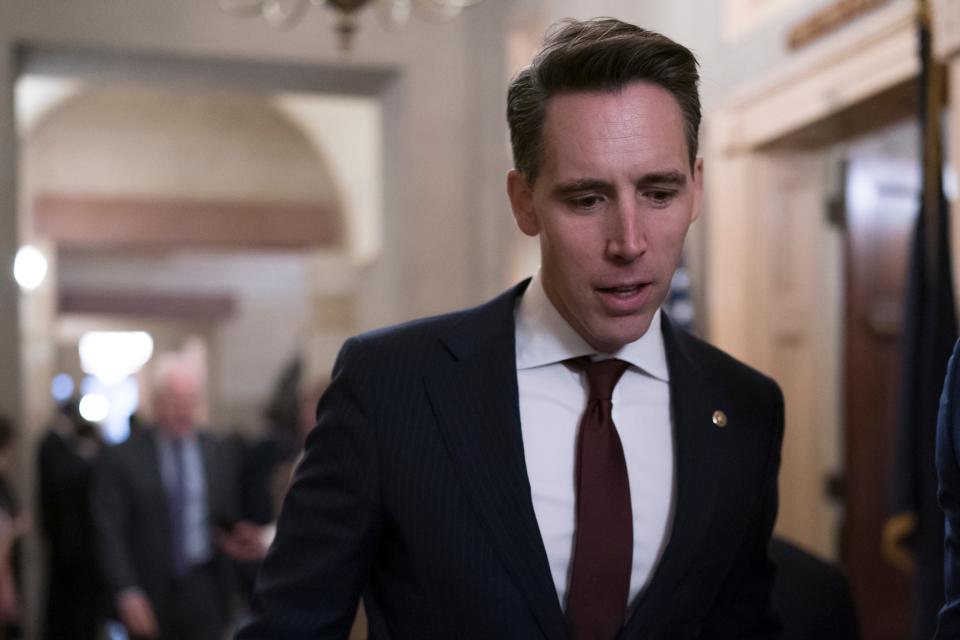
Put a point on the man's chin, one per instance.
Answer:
(615, 339)
(177, 431)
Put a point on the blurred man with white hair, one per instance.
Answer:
(157, 500)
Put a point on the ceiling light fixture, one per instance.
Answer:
(29, 267)
(285, 14)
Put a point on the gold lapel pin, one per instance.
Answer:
(720, 418)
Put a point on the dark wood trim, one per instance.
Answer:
(207, 307)
(93, 221)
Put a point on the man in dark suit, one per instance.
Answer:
(561, 462)
(157, 498)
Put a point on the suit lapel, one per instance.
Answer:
(693, 401)
(148, 456)
(475, 400)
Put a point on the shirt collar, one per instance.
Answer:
(166, 441)
(543, 337)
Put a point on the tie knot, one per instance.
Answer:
(602, 375)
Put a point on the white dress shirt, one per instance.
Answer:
(553, 397)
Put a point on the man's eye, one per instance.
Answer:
(586, 202)
(660, 197)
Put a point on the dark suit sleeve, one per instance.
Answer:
(744, 607)
(310, 582)
(111, 511)
(948, 472)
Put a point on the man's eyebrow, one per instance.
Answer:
(674, 178)
(579, 186)
(654, 178)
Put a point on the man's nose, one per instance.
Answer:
(626, 236)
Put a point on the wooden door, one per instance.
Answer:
(881, 202)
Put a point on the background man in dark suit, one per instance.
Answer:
(156, 500)
(561, 461)
(74, 607)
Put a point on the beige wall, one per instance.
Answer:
(9, 295)
(151, 141)
(348, 132)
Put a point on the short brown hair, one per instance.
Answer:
(602, 54)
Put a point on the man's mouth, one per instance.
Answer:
(626, 298)
(623, 291)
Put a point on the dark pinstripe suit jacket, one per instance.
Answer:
(414, 493)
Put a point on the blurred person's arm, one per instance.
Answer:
(9, 602)
(327, 535)
(136, 614)
(10, 530)
(111, 510)
(246, 541)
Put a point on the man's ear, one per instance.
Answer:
(697, 188)
(520, 192)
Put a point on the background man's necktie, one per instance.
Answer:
(603, 546)
(178, 508)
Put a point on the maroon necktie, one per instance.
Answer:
(603, 545)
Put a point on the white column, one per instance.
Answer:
(10, 375)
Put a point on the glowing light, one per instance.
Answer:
(112, 356)
(951, 185)
(94, 407)
(62, 387)
(29, 267)
(861, 191)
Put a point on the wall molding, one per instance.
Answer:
(95, 221)
(877, 53)
(946, 28)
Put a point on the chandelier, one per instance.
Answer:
(286, 14)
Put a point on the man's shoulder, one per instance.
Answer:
(452, 331)
(721, 367)
(412, 332)
(129, 457)
(135, 442)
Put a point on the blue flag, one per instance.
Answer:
(915, 529)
